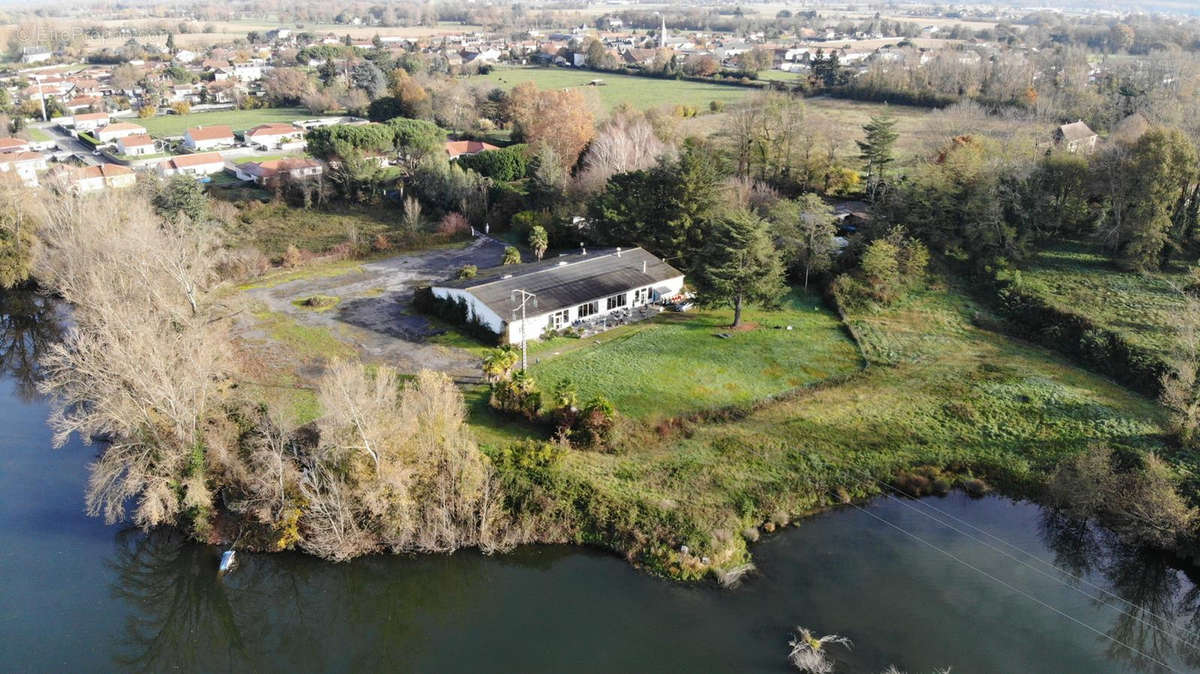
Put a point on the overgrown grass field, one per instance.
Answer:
(239, 120)
(677, 364)
(938, 392)
(639, 92)
(1079, 277)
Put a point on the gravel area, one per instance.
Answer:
(374, 312)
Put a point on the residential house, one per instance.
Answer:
(103, 176)
(89, 122)
(36, 54)
(1076, 137)
(14, 145)
(203, 164)
(82, 103)
(24, 165)
(570, 290)
(207, 137)
(269, 173)
(460, 148)
(275, 137)
(118, 130)
(136, 145)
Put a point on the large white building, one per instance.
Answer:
(569, 290)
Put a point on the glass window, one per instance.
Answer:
(588, 309)
(560, 318)
(616, 301)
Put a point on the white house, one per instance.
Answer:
(207, 137)
(14, 145)
(569, 290)
(266, 172)
(25, 165)
(275, 137)
(135, 145)
(97, 178)
(90, 121)
(117, 130)
(35, 54)
(206, 163)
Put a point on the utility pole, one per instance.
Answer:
(41, 95)
(525, 297)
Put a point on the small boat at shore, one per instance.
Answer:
(228, 560)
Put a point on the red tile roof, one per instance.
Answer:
(457, 147)
(210, 132)
(136, 139)
(186, 160)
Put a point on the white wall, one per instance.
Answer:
(536, 325)
(478, 309)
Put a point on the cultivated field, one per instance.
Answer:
(240, 120)
(640, 92)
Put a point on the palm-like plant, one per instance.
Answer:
(808, 652)
(498, 363)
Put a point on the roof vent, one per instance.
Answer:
(506, 276)
(562, 263)
(582, 250)
(618, 251)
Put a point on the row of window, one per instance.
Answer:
(560, 319)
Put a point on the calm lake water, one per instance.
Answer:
(77, 595)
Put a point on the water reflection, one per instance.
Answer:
(29, 322)
(181, 610)
(1156, 616)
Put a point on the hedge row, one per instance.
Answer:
(1100, 349)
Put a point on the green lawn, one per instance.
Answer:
(240, 120)
(37, 135)
(640, 92)
(676, 364)
(1080, 278)
(779, 76)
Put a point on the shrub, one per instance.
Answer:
(453, 223)
(596, 422)
(511, 255)
(531, 454)
(467, 272)
(292, 257)
(507, 164)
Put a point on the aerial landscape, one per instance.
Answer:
(454, 335)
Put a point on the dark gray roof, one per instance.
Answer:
(567, 280)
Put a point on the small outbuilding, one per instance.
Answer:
(1076, 137)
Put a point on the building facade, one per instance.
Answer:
(563, 292)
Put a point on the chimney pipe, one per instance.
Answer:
(643, 266)
(618, 251)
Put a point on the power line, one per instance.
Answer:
(1179, 632)
(1078, 578)
(1019, 591)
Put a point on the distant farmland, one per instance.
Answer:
(640, 92)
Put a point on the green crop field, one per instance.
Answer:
(640, 92)
(1077, 277)
(676, 364)
(240, 120)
